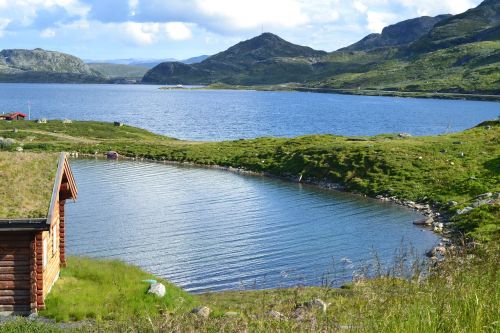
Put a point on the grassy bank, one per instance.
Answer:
(433, 169)
(461, 295)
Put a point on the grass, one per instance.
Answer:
(26, 182)
(460, 295)
(433, 169)
(109, 290)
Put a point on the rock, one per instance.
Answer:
(461, 154)
(42, 121)
(481, 202)
(201, 311)
(404, 135)
(485, 195)
(231, 314)
(426, 221)
(464, 211)
(452, 203)
(117, 123)
(276, 314)
(112, 155)
(420, 157)
(67, 121)
(158, 289)
(317, 303)
(438, 250)
(19, 149)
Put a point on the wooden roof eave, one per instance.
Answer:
(24, 224)
(63, 168)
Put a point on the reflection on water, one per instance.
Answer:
(207, 229)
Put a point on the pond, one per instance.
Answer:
(207, 229)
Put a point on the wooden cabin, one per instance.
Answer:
(12, 116)
(33, 192)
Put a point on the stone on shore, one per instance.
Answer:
(157, 289)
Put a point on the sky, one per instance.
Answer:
(156, 29)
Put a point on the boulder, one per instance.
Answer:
(464, 211)
(317, 304)
(157, 289)
(201, 311)
(276, 314)
(231, 314)
(426, 221)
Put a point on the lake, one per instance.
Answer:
(207, 229)
(223, 114)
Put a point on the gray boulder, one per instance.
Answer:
(157, 289)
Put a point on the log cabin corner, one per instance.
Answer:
(33, 192)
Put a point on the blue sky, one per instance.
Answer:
(111, 29)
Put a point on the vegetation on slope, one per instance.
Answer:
(468, 68)
(109, 290)
(456, 166)
(460, 295)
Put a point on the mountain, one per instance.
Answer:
(477, 24)
(194, 60)
(263, 59)
(146, 63)
(399, 34)
(119, 71)
(38, 65)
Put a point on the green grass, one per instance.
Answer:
(469, 68)
(26, 182)
(109, 290)
(460, 295)
(432, 169)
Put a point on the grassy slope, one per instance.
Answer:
(109, 290)
(460, 296)
(416, 168)
(468, 68)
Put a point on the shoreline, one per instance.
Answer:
(351, 92)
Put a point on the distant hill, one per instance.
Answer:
(147, 63)
(118, 71)
(457, 54)
(263, 59)
(399, 34)
(38, 65)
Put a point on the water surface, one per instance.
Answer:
(207, 229)
(222, 114)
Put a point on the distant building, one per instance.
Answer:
(13, 116)
(32, 239)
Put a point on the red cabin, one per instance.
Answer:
(13, 116)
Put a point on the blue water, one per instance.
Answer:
(218, 115)
(206, 229)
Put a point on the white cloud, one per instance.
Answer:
(3, 24)
(178, 31)
(141, 33)
(433, 7)
(360, 6)
(48, 33)
(376, 21)
(252, 14)
(132, 6)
